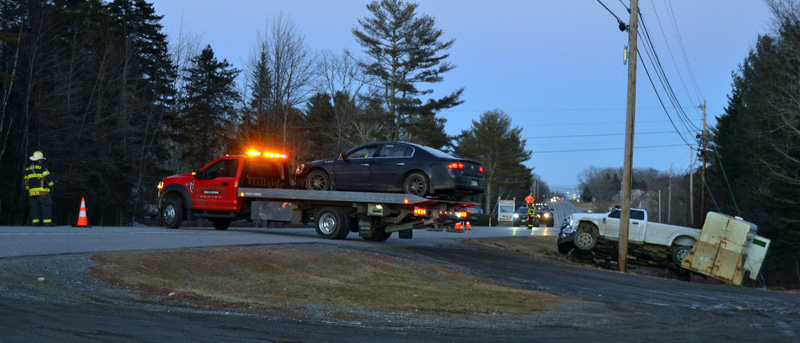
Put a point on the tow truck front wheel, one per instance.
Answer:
(332, 223)
(221, 223)
(172, 213)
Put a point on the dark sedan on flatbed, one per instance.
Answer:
(394, 167)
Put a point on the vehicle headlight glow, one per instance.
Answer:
(516, 215)
(547, 215)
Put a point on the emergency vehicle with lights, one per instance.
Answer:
(259, 186)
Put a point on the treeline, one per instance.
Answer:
(116, 105)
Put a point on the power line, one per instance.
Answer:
(683, 51)
(598, 135)
(659, 69)
(605, 149)
(672, 57)
(619, 21)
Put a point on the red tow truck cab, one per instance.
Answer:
(259, 186)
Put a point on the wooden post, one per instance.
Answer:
(627, 169)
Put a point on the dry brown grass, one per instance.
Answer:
(305, 279)
(534, 246)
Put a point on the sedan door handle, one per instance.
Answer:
(399, 164)
(365, 164)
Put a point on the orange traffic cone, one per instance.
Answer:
(82, 221)
(469, 227)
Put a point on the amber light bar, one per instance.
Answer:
(265, 154)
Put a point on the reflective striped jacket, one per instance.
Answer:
(37, 179)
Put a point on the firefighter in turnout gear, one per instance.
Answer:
(38, 183)
(531, 215)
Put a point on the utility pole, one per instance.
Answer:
(691, 185)
(669, 196)
(627, 169)
(703, 181)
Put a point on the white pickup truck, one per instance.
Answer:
(660, 243)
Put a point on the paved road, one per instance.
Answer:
(41, 241)
(614, 307)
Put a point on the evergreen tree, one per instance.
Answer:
(209, 110)
(501, 149)
(406, 52)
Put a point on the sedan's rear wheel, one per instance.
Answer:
(416, 184)
(318, 180)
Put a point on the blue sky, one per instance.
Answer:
(555, 67)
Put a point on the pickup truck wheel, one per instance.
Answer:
(679, 253)
(585, 239)
(416, 184)
(172, 213)
(221, 223)
(330, 223)
(318, 180)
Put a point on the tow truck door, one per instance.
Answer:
(215, 186)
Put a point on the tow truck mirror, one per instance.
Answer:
(196, 172)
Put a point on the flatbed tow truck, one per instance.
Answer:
(258, 186)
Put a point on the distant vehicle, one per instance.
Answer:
(394, 167)
(521, 217)
(544, 215)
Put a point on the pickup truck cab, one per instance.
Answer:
(661, 243)
(213, 191)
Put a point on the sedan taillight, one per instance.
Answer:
(455, 165)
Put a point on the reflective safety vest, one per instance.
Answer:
(37, 179)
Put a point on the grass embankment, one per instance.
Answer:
(310, 279)
(544, 247)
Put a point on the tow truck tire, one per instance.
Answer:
(585, 239)
(318, 180)
(380, 235)
(679, 253)
(416, 183)
(172, 213)
(221, 223)
(330, 223)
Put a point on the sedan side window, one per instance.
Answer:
(365, 152)
(393, 150)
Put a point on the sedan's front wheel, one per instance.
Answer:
(416, 184)
(318, 180)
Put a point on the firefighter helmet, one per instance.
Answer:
(37, 155)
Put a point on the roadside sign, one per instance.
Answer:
(529, 199)
(505, 210)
